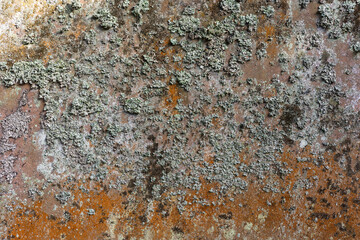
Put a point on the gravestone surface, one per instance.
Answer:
(157, 119)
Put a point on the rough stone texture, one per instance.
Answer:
(156, 119)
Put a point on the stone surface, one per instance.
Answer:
(157, 119)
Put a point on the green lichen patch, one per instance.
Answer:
(133, 105)
(183, 78)
(141, 7)
(268, 11)
(107, 20)
(356, 47)
(173, 106)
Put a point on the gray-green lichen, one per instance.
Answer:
(304, 3)
(183, 78)
(141, 6)
(356, 47)
(133, 105)
(90, 37)
(15, 125)
(30, 38)
(189, 10)
(186, 24)
(107, 20)
(227, 108)
(268, 11)
(7, 172)
(75, 5)
(261, 51)
(328, 15)
(230, 5)
(63, 197)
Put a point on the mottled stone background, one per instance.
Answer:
(157, 119)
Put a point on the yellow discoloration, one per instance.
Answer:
(16, 16)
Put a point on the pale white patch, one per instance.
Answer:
(303, 143)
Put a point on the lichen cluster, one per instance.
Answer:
(77, 94)
(184, 107)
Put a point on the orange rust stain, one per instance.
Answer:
(282, 16)
(174, 96)
(35, 222)
(277, 214)
(216, 122)
(269, 31)
(79, 30)
(272, 50)
(266, 31)
(47, 45)
(90, 144)
(270, 93)
(133, 219)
